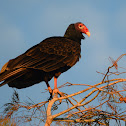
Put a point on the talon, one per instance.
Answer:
(50, 90)
(55, 91)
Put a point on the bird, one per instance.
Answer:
(45, 60)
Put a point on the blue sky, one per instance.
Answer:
(27, 22)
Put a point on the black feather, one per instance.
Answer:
(49, 58)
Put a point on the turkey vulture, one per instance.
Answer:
(46, 60)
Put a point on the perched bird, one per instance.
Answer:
(46, 60)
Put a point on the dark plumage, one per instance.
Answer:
(48, 59)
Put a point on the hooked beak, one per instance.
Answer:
(88, 34)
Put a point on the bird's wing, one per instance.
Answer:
(51, 54)
(55, 53)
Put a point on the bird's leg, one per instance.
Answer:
(55, 83)
(50, 90)
(56, 90)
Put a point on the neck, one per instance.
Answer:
(73, 34)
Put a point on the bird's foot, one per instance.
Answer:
(51, 93)
(57, 92)
(54, 93)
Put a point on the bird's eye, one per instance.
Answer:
(81, 26)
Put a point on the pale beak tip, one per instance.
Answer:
(88, 34)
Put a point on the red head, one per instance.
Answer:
(82, 28)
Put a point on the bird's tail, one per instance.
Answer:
(7, 74)
(3, 83)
